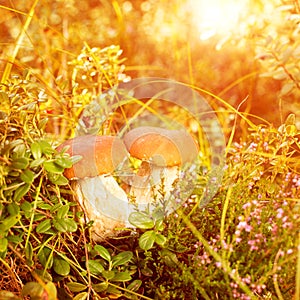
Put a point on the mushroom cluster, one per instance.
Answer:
(103, 200)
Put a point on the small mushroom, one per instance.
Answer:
(162, 153)
(101, 197)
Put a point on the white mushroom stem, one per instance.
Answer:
(153, 184)
(104, 202)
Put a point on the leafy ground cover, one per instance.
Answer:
(244, 244)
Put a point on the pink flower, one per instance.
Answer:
(252, 147)
(243, 225)
(238, 232)
(279, 213)
(246, 205)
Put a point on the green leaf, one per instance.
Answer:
(46, 148)
(159, 225)
(55, 207)
(160, 239)
(9, 222)
(122, 277)
(100, 287)
(44, 226)
(13, 209)
(20, 150)
(158, 214)
(14, 174)
(27, 176)
(36, 150)
(122, 258)
(37, 162)
(32, 289)
(113, 290)
(134, 285)
(71, 225)
(21, 191)
(64, 162)
(60, 225)
(38, 217)
(60, 266)
(62, 211)
(141, 220)
(147, 240)
(65, 225)
(75, 159)
(95, 267)
(147, 271)
(43, 275)
(16, 239)
(169, 258)
(29, 254)
(45, 257)
(103, 252)
(44, 206)
(3, 244)
(58, 179)
(20, 163)
(81, 296)
(61, 180)
(26, 206)
(108, 275)
(76, 287)
(52, 167)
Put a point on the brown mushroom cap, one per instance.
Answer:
(100, 155)
(161, 146)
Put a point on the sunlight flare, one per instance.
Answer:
(217, 16)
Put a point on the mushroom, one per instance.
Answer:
(97, 191)
(162, 153)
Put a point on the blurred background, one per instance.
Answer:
(237, 50)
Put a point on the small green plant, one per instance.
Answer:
(153, 223)
(280, 56)
(31, 173)
(110, 273)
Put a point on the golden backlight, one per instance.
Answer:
(217, 16)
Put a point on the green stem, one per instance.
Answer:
(38, 189)
(224, 211)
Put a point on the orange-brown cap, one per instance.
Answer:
(161, 146)
(100, 155)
